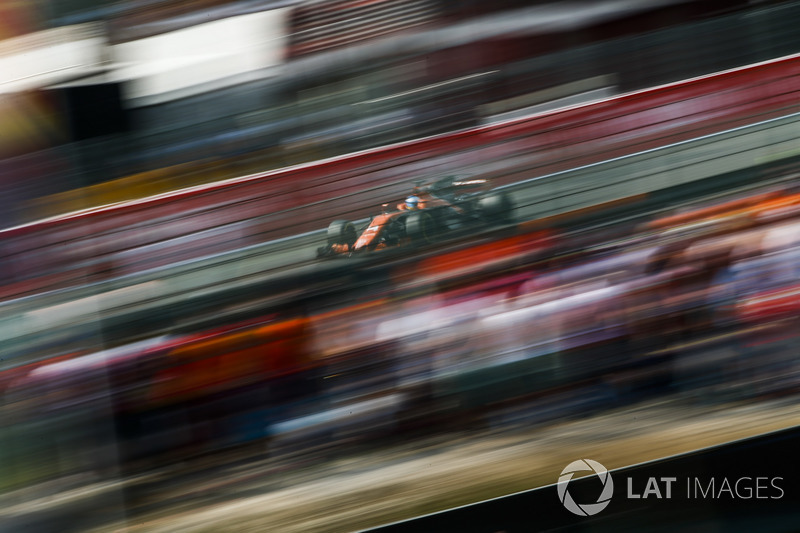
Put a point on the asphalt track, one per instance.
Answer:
(742, 157)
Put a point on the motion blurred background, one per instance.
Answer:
(170, 342)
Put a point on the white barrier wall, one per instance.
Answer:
(201, 57)
(155, 69)
(50, 56)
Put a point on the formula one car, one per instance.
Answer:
(430, 213)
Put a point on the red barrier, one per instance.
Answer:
(135, 235)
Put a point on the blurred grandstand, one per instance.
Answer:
(253, 88)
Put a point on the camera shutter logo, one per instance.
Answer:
(585, 509)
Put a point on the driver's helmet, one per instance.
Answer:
(412, 202)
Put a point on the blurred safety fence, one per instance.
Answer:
(324, 25)
(669, 307)
(537, 152)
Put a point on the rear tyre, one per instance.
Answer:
(442, 217)
(496, 207)
(342, 232)
(421, 227)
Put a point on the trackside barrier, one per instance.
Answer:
(129, 237)
(652, 170)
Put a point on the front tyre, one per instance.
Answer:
(342, 232)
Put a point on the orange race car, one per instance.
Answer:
(429, 213)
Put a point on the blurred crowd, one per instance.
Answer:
(701, 303)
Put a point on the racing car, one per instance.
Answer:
(428, 214)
